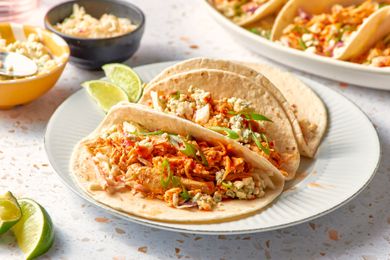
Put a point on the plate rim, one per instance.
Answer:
(156, 224)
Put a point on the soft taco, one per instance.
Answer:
(244, 12)
(161, 167)
(304, 109)
(372, 45)
(327, 28)
(232, 105)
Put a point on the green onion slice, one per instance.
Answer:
(189, 150)
(230, 133)
(259, 144)
(184, 194)
(165, 166)
(227, 185)
(253, 116)
(302, 43)
(158, 132)
(176, 95)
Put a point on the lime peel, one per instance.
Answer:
(126, 78)
(105, 93)
(10, 212)
(34, 232)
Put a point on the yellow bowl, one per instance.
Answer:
(21, 91)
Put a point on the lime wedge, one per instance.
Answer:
(34, 232)
(105, 93)
(10, 212)
(124, 77)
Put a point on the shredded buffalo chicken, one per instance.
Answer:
(184, 172)
(233, 117)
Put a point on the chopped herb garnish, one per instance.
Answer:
(227, 185)
(174, 180)
(158, 132)
(176, 95)
(300, 29)
(253, 116)
(264, 138)
(259, 144)
(190, 150)
(382, 5)
(258, 117)
(254, 30)
(184, 194)
(229, 133)
(165, 167)
(203, 158)
(302, 43)
(261, 32)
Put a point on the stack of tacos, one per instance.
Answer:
(210, 140)
(350, 30)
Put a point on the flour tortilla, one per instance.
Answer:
(85, 172)
(309, 107)
(223, 84)
(264, 10)
(376, 28)
(290, 11)
(286, 89)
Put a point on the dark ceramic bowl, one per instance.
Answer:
(89, 53)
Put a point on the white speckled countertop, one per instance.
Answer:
(178, 29)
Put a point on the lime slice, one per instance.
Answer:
(105, 93)
(34, 232)
(124, 77)
(10, 212)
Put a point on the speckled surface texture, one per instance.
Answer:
(179, 30)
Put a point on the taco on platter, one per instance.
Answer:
(244, 12)
(328, 28)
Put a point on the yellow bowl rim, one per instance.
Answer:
(43, 75)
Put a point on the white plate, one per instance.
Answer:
(345, 163)
(347, 72)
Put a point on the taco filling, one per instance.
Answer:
(263, 27)
(377, 56)
(326, 34)
(182, 171)
(232, 117)
(238, 10)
